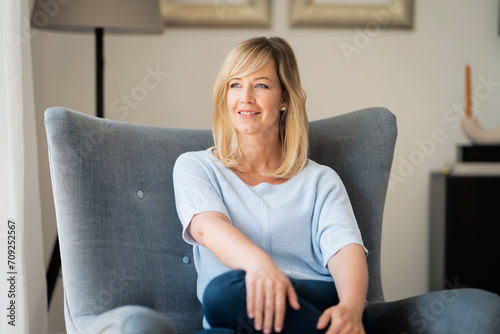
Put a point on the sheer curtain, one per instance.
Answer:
(23, 301)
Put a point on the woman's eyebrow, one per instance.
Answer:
(253, 79)
(263, 78)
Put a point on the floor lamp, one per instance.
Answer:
(97, 16)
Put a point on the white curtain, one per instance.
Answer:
(23, 301)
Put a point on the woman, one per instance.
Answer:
(276, 244)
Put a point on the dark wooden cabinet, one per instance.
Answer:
(465, 232)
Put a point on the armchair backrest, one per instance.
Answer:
(119, 234)
(359, 146)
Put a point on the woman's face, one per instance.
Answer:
(254, 102)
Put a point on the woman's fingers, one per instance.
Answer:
(279, 310)
(259, 304)
(250, 287)
(324, 319)
(340, 320)
(266, 301)
(293, 299)
(269, 306)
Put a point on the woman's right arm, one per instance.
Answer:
(267, 287)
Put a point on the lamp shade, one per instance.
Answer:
(121, 16)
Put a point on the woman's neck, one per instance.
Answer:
(260, 155)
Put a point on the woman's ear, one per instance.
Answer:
(284, 99)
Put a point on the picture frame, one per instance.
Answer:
(216, 13)
(340, 13)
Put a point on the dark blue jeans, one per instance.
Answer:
(224, 304)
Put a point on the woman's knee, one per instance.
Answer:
(224, 286)
(224, 295)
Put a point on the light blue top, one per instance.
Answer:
(300, 223)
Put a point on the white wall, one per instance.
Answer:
(417, 74)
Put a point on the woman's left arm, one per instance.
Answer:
(350, 274)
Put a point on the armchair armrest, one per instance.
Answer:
(130, 319)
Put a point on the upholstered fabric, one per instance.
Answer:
(116, 247)
(359, 146)
(125, 266)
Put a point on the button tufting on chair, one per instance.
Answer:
(140, 194)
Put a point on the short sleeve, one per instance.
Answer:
(336, 223)
(195, 191)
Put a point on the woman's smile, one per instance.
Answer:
(248, 113)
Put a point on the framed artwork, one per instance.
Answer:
(350, 13)
(216, 13)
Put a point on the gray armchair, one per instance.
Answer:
(125, 266)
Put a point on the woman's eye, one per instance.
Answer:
(262, 86)
(234, 85)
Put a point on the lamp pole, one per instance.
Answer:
(99, 59)
(95, 16)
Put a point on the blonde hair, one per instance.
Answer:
(247, 58)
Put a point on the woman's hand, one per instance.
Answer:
(342, 320)
(267, 287)
(267, 291)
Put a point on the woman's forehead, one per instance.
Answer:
(253, 67)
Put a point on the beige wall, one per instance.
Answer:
(418, 74)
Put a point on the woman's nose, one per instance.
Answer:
(247, 95)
